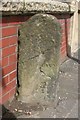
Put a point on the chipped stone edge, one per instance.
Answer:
(35, 7)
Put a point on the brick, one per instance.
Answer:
(0, 84)
(68, 26)
(63, 53)
(13, 84)
(63, 29)
(9, 50)
(12, 58)
(5, 21)
(9, 41)
(12, 75)
(0, 91)
(63, 48)
(62, 21)
(0, 53)
(0, 33)
(13, 40)
(8, 69)
(0, 43)
(12, 92)
(4, 61)
(68, 21)
(5, 81)
(14, 20)
(0, 62)
(9, 31)
(0, 101)
(0, 73)
(5, 42)
(5, 98)
(17, 20)
(63, 43)
(63, 38)
(8, 87)
(63, 56)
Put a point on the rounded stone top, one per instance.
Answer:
(21, 7)
(39, 53)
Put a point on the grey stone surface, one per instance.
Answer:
(67, 105)
(39, 53)
(20, 7)
(0, 112)
(37, 0)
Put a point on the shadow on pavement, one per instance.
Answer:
(7, 115)
(75, 59)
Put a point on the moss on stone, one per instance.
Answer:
(39, 51)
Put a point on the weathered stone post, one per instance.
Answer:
(39, 53)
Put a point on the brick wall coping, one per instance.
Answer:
(34, 7)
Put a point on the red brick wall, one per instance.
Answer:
(64, 20)
(8, 51)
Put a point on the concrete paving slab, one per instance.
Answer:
(67, 95)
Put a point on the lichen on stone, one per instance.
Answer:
(35, 7)
(39, 51)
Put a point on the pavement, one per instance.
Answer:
(66, 102)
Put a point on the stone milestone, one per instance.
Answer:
(39, 54)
